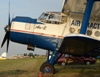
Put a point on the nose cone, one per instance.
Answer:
(7, 28)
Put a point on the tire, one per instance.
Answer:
(47, 68)
(88, 63)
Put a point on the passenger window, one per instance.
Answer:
(27, 26)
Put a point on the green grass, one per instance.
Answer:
(29, 67)
(20, 67)
(77, 70)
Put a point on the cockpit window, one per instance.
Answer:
(43, 16)
(52, 18)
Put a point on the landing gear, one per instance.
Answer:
(47, 68)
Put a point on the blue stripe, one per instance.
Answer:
(26, 20)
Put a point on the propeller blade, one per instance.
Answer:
(9, 23)
(8, 41)
(5, 38)
(7, 35)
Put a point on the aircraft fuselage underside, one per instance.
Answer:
(44, 42)
(75, 44)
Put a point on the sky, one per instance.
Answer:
(29, 8)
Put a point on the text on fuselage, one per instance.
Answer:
(90, 25)
(40, 27)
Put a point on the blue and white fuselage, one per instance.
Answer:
(29, 31)
(49, 30)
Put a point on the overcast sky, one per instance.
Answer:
(30, 8)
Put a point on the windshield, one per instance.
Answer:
(53, 18)
(43, 17)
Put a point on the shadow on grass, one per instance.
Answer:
(12, 72)
(77, 71)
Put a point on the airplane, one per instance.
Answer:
(3, 56)
(75, 31)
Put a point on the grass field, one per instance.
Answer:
(30, 68)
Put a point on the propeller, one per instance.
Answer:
(7, 28)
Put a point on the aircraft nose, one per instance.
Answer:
(7, 28)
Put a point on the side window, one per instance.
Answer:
(51, 17)
(28, 24)
(54, 19)
(27, 27)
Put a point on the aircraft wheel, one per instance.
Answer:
(47, 68)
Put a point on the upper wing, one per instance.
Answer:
(74, 6)
(79, 6)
